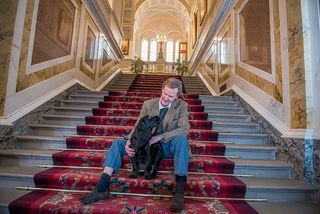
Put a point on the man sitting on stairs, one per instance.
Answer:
(172, 135)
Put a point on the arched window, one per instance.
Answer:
(169, 51)
(176, 52)
(144, 50)
(153, 50)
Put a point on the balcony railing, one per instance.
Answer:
(153, 67)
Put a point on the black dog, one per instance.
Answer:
(152, 155)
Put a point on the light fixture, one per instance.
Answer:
(162, 38)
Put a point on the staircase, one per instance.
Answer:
(120, 82)
(193, 85)
(223, 140)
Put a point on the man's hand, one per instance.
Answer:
(129, 151)
(155, 139)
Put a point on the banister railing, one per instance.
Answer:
(153, 66)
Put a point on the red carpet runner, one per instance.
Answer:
(114, 118)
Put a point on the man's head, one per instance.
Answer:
(171, 89)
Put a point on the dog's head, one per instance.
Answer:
(144, 131)
(147, 122)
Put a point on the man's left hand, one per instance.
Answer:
(155, 139)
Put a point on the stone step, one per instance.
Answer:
(117, 86)
(88, 92)
(52, 130)
(116, 89)
(243, 151)
(236, 127)
(286, 207)
(238, 138)
(251, 152)
(210, 97)
(258, 168)
(210, 105)
(224, 110)
(194, 86)
(263, 168)
(63, 120)
(40, 142)
(280, 190)
(25, 157)
(71, 120)
(244, 138)
(72, 111)
(7, 195)
(227, 111)
(271, 189)
(12, 176)
(80, 103)
(238, 118)
(197, 92)
(86, 97)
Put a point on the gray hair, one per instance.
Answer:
(173, 83)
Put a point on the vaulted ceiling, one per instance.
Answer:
(162, 16)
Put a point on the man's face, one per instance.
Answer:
(168, 95)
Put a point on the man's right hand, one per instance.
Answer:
(129, 151)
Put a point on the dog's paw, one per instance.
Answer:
(133, 175)
(149, 177)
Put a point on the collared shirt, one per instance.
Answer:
(161, 106)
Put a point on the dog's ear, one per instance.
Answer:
(142, 124)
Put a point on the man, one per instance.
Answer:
(172, 132)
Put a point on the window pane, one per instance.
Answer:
(153, 50)
(144, 50)
(169, 51)
(176, 56)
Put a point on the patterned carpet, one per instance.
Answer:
(114, 118)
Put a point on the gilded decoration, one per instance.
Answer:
(8, 10)
(272, 89)
(26, 80)
(296, 65)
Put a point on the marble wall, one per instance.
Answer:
(316, 161)
(254, 35)
(8, 11)
(272, 88)
(291, 150)
(27, 78)
(90, 62)
(285, 82)
(20, 126)
(218, 62)
(296, 65)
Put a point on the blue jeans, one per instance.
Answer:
(176, 148)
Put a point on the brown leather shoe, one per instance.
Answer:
(94, 196)
(177, 203)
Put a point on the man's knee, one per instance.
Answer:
(117, 146)
(181, 142)
(117, 143)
